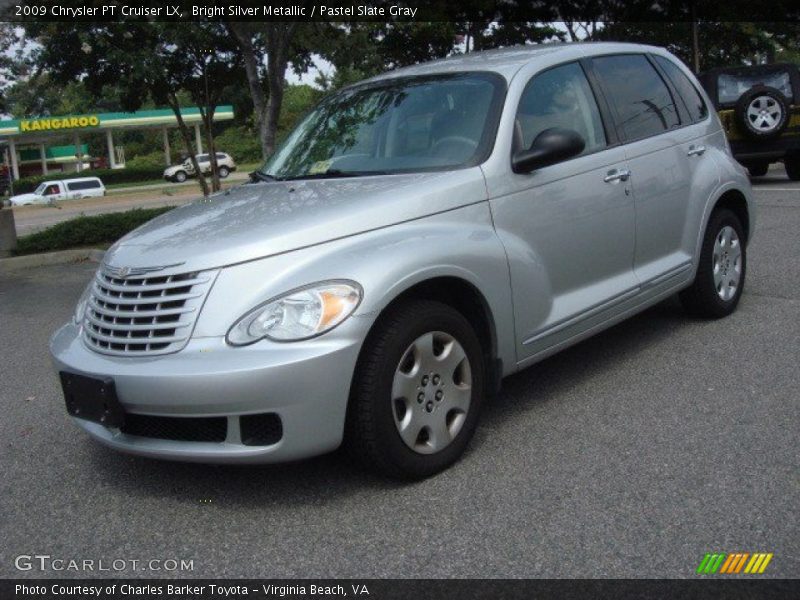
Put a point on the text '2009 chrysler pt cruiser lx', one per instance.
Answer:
(416, 238)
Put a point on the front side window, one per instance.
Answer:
(686, 90)
(730, 87)
(560, 97)
(40, 190)
(639, 95)
(394, 126)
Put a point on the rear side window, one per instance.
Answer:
(639, 95)
(686, 90)
(83, 185)
(560, 97)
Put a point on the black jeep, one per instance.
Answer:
(759, 107)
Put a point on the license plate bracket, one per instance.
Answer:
(93, 399)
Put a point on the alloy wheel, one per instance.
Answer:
(764, 113)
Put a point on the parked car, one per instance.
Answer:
(415, 239)
(179, 173)
(758, 107)
(65, 189)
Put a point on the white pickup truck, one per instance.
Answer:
(65, 189)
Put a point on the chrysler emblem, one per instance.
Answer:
(123, 272)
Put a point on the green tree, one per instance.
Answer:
(13, 62)
(142, 60)
(267, 49)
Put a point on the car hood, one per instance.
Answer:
(24, 198)
(262, 219)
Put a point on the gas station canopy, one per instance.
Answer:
(38, 130)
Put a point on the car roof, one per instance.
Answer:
(507, 61)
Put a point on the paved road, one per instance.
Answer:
(631, 454)
(237, 176)
(30, 219)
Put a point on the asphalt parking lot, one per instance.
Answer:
(630, 455)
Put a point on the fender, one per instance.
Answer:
(738, 182)
(460, 243)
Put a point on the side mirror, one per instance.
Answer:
(550, 147)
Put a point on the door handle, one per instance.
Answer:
(617, 175)
(695, 150)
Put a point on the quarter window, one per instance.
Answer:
(641, 98)
(83, 185)
(560, 97)
(686, 89)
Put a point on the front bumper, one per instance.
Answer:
(306, 384)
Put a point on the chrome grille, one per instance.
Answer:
(144, 314)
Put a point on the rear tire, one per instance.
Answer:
(792, 165)
(758, 169)
(223, 172)
(723, 263)
(411, 412)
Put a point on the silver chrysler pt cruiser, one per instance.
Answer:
(418, 237)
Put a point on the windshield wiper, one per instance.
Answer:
(256, 176)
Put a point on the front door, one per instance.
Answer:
(568, 228)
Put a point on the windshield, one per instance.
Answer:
(394, 126)
(39, 191)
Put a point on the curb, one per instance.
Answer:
(30, 261)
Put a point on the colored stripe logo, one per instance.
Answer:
(734, 563)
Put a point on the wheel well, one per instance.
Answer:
(468, 300)
(735, 201)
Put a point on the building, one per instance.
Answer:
(26, 140)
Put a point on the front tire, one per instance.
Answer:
(719, 281)
(180, 176)
(417, 393)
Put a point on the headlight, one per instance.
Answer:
(80, 309)
(298, 315)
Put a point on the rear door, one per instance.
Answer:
(699, 138)
(648, 120)
(73, 190)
